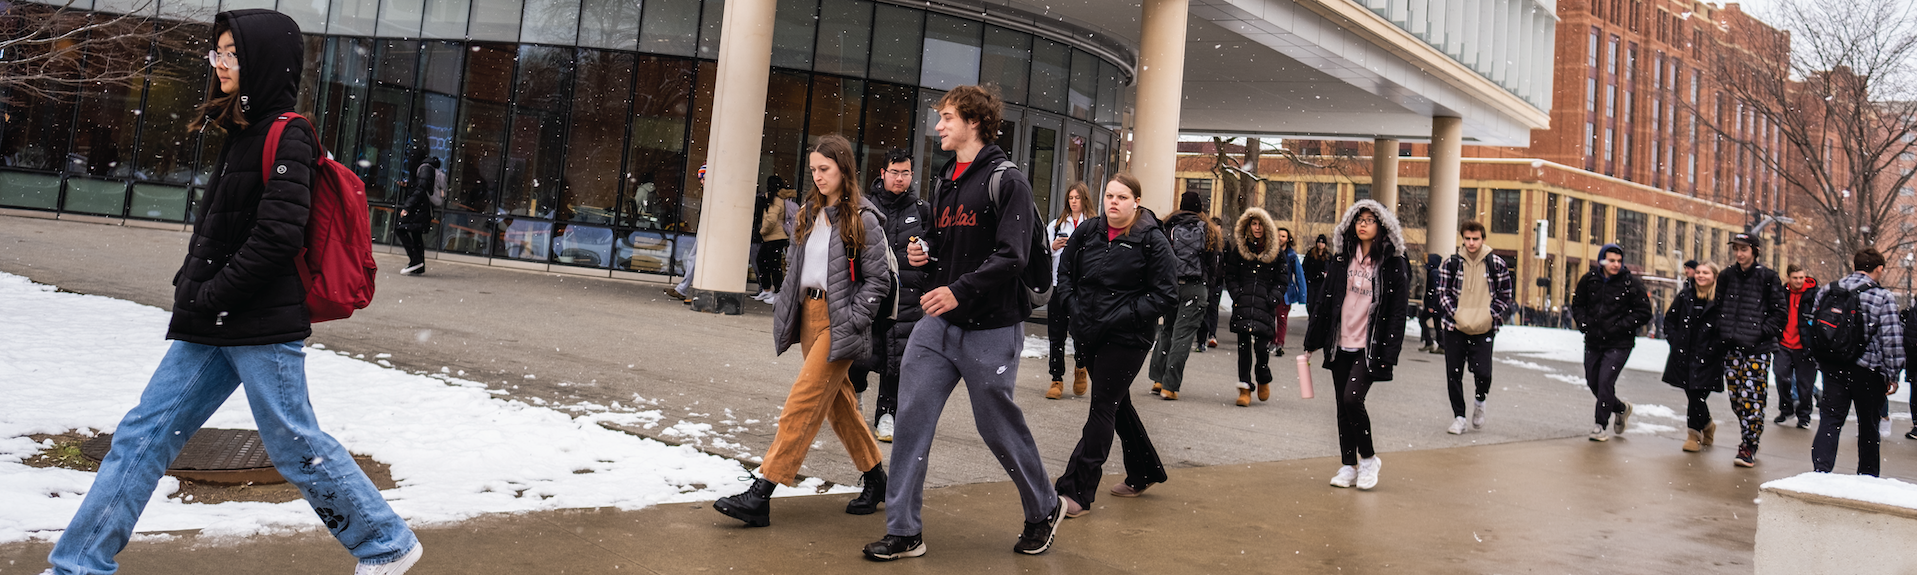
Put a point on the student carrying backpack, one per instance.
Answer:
(1859, 340)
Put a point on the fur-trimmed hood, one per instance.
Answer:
(1391, 232)
(1241, 236)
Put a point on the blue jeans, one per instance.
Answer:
(191, 382)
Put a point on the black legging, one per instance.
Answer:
(771, 264)
(1697, 411)
(1058, 323)
(1352, 381)
(413, 240)
(1253, 347)
(1112, 370)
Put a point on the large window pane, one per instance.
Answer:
(465, 233)
(436, 112)
(34, 131)
(589, 192)
(1321, 203)
(550, 22)
(836, 108)
(381, 154)
(523, 239)
(1108, 84)
(1051, 63)
(611, 23)
(1084, 91)
(23, 190)
(1044, 163)
(888, 124)
(1280, 200)
(173, 96)
(644, 251)
(792, 34)
(845, 36)
(711, 18)
(1504, 211)
(446, 18)
(654, 194)
(348, 72)
(538, 139)
(354, 17)
(896, 38)
(496, 20)
(478, 138)
(91, 196)
(784, 128)
(157, 202)
(400, 18)
(1006, 63)
(696, 146)
(1414, 206)
(585, 246)
(671, 27)
(951, 52)
(103, 138)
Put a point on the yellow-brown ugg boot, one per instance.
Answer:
(1057, 390)
(1080, 382)
(1168, 395)
(1157, 387)
(1709, 435)
(1244, 395)
(1264, 392)
(1691, 437)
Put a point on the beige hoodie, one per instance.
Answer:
(1473, 316)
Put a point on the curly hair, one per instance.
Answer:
(977, 104)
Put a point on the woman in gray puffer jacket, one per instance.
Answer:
(830, 297)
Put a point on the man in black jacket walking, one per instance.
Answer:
(906, 217)
(1609, 306)
(1755, 306)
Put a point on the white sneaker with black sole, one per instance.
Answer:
(397, 567)
(413, 270)
(893, 547)
(1038, 536)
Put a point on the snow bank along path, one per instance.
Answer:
(71, 361)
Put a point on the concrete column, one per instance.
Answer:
(732, 157)
(1384, 172)
(1447, 148)
(1161, 78)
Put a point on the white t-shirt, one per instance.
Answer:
(1061, 228)
(818, 246)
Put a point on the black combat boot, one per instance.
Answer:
(868, 500)
(754, 507)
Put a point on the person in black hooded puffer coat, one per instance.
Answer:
(906, 217)
(239, 316)
(1256, 278)
(1368, 275)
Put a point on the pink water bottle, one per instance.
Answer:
(1304, 375)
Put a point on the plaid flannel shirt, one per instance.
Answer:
(1883, 329)
(1503, 289)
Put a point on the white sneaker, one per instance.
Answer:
(1345, 476)
(1368, 472)
(761, 295)
(1883, 429)
(1457, 426)
(397, 567)
(1601, 433)
(774, 298)
(409, 270)
(884, 431)
(1622, 419)
(1477, 416)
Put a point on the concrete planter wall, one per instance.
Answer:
(1819, 523)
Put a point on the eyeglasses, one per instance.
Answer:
(899, 173)
(228, 60)
(1367, 220)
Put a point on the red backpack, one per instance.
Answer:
(337, 264)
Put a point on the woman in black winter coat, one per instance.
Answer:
(1316, 259)
(416, 212)
(1118, 276)
(1256, 278)
(1358, 319)
(239, 318)
(1696, 361)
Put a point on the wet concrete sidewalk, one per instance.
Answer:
(1633, 505)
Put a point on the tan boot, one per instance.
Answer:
(1244, 397)
(1709, 435)
(1691, 437)
(1168, 395)
(1080, 381)
(1157, 387)
(1057, 390)
(1264, 392)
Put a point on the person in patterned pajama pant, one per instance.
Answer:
(1754, 309)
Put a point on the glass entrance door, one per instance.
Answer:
(1042, 164)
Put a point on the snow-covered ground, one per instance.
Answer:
(457, 450)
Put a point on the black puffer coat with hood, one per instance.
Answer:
(1117, 289)
(1255, 276)
(1389, 297)
(239, 284)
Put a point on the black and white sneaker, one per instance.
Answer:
(893, 547)
(414, 270)
(1038, 536)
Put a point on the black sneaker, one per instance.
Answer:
(1780, 418)
(1804, 423)
(1038, 536)
(893, 547)
(1911, 435)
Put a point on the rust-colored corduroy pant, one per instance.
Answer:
(822, 394)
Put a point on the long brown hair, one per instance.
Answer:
(1084, 192)
(851, 225)
(219, 109)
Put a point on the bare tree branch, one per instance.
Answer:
(54, 51)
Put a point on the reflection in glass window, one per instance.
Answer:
(784, 128)
(550, 22)
(1280, 199)
(845, 36)
(1008, 54)
(381, 154)
(1598, 213)
(792, 34)
(610, 24)
(951, 52)
(644, 251)
(695, 157)
(586, 246)
(1075, 162)
(468, 234)
(1468, 205)
(656, 165)
(433, 123)
(523, 239)
(156, 202)
(1321, 203)
(1051, 62)
(382, 220)
(1108, 84)
(1414, 206)
(478, 138)
(166, 146)
(897, 34)
(538, 139)
(671, 27)
(711, 20)
(345, 92)
(836, 108)
(885, 104)
(590, 189)
(1084, 90)
(496, 20)
(36, 132)
(446, 18)
(103, 143)
(400, 18)
(1045, 163)
(1504, 211)
(356, 17)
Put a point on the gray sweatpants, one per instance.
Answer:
(937, 356)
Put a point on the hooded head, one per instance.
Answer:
(1390, 240)
(1605, 251)
(1267, 249)
(272, 57)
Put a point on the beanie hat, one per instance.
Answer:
(1191, 202)
(1608, 248)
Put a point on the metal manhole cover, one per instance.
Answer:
(211, 455)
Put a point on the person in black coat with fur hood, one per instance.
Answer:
(1358, 320)
(1257, 279)
(240, 320)
(1696, 361)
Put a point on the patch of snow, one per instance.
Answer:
(1654, 410)
(1568, 346)
(1856, 487)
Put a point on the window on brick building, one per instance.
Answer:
(1631, 234)
(1593, 54)
(1598, 215)
(1610, 101)
(1573, 219)
(1679, 230)
(1504, 211)
(1551, 216)
(1610, 53)
(1662, 247)
(1590, 94)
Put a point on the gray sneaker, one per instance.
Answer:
(1619, 422)
(1477, 416)
(1601, 433)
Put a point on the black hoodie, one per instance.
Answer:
(977, 252)
(238, 284)
(906, 217)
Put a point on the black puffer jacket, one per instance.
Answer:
(238, 285)
(1117, 289)
(419, 196)
(1390, 298)
(1609, 312)
(1696, 361)
(906, 217)
(1255, 276)
(1755, 306)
